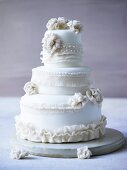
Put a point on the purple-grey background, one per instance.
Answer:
(22, 25)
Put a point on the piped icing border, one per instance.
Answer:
(72, 133)
(56, 72)
(62, 81)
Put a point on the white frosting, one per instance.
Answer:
(62, 90)
(72, 133)
(65, 108)
(53, 111)
(54, 47)
(70, 53)
(67, 36)
(61, 80)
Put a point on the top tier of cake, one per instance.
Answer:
(61, 45)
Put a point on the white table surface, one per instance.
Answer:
(114, 109)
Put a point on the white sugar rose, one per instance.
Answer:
(30, 88)
(94, 95)
(57, 24)
(18, 154)
(51, 24)
(78, 100)
(84, 153)
(75, 26)
(51, 43)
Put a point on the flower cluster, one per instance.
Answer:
(51, 43)
(78, 100)
(57, 24)
(62, 23)
(30, 88)
(94, 95)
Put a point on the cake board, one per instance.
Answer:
(111, 141)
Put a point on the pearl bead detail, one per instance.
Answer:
(70, 49)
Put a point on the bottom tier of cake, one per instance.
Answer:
(73, 133)
(49, 118)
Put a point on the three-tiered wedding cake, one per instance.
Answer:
(59, 104)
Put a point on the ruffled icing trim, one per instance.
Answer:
(73, 133)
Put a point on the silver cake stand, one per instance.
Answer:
(112, 141)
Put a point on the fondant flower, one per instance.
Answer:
(57, 24)
(75, 26)
(30, 88)
(78, 100)
(18, 154)
(84, 153)
(94, 95)
(51, 43)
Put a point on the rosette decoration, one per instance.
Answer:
(75, 26)
(62, 23)
(30, 88)
(78, 100)
(51, 42)
(94, 95)
(57, 24)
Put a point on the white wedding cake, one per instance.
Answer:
(60, 105)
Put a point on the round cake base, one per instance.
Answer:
(112, 141)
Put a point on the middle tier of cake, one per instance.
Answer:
(55, 111)
(61, 80)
